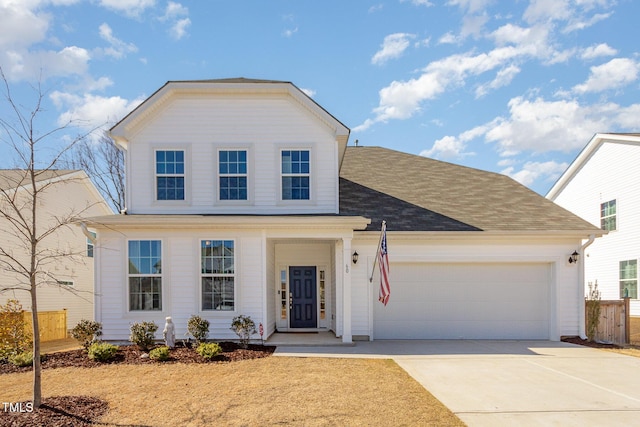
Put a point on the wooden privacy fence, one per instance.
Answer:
(53, 324)
(614, 325)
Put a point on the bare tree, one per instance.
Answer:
(103, 161)
(30, 257)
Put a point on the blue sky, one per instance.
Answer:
(514, 87)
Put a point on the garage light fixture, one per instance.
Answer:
(573, 258)
(354, 257)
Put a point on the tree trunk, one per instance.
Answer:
(37, 368)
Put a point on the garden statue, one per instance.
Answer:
(169, 333)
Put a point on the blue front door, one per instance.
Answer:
(304, 303)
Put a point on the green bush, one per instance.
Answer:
(198, 328)
(142, 334)
(86, 332)
(102, 351)
(244, 327)
(209, 350)
(160, 354)
(14, 335)
(22, 359)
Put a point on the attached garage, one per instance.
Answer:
(466, 301)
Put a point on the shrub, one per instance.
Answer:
(209, 350)
(86, 332)
(593, 311)
(244, 327)
(142, 334)
(102, 351)
(14, 336)
(160, 354)
(22, 359)
(198, 328)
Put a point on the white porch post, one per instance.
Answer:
(346, 290)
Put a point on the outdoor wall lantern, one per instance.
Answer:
(354, 257)
(573, 258)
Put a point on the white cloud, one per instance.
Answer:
(117, 49)
(471, 6)
(309, 92)
(614, 74)
(179, 29)
(178, 16)
(90, 111)
(418, 2)
(503, 78)
(533, 171)
(41, 65)
(597, 51)
(451, 147)
(130, 8)
(547, 10)
(21, 26)
(392, 47)
(290, 32)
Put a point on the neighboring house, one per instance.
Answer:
(69, 192)
(601, 186)
(243, 198)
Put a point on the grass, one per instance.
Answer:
(268, 391)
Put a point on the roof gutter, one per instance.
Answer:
(581, 310)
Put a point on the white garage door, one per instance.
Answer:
(465, 301)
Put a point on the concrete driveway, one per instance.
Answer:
(523, 383)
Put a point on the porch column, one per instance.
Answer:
(346, 290)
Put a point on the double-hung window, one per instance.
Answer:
(295, 174)
(217, 260)
(145, 275)
(608, 215)
(629, 279)
(170, 174)
(90, 246)
(232, 174)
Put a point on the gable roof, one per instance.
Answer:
(587, 152)
(120, 132)
(415, 193)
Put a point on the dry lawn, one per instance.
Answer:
(269, 391)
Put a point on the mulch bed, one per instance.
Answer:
(130, 354)
(586, 343)
(73, 411)
(83, 410)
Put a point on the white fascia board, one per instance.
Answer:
(584, 156)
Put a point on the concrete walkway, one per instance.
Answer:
(504, 383)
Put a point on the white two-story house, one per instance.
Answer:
(244, 198)
(601, 186)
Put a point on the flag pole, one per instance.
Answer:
(375, 260)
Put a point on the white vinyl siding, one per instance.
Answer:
(262, 126)
(594, 184)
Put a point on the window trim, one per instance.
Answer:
(621, 280)
(249, 175)
(309, 175)
(186, 175)
(202, 275)
(91, 247)
(603, 217)
(159, 275)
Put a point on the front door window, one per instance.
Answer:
(303, 297)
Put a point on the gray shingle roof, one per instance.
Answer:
(415, 193)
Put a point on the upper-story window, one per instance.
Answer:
(232, 174)
(170, 175)
(295, 175)
(608, 215)
(90, 246)
(629, 279)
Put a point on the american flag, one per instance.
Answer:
(383, 262)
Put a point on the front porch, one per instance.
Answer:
(306, 339)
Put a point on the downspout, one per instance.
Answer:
(581, 311)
